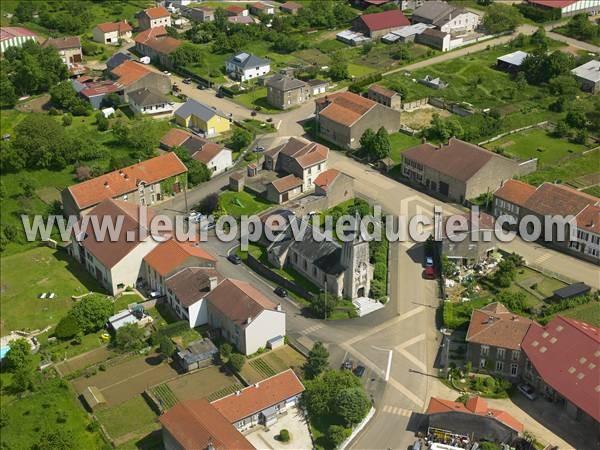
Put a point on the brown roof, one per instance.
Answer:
(496, 326)
(551, 199)
(286, 183)
(325, 179)
(123, 181)
(235, 9)
(589, 219)
(175, 137)
(515, 192)
(130, 72)
(239, 301)
(437, 34)
(482, 222)
(196, 424)
(345, 107)
(260, 396)
(150, 33)
(107, 250)
(63, 43)
(291, 6)
(109, 27)
(192, 284)
(457, 159)
(164, 44)
(170, 255)
(383, 20)
(237, 175)
(477, 406)
(382, 91)
(202, 149)
(156, 13)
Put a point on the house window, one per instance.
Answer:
(482, 363)
(499, 366)
(516, 354)
(514, 369)
(500, 353)
(485, 350)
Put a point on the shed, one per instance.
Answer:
(199, 353)
(93, 397)
(121, 319)
(236, 181)
(276, 342)
(572, 290)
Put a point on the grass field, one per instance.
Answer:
(238, 204)
(589, 313)
(133, 417)
(401, 142)
(536, 143)
(26, 275)
(255, 98)
(205, 383)
(272, 363)
(567, 170)
(52, 406)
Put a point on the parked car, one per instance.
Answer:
(429, 261)
(235, 259)
(527, 391)
(429, 273)
(416, 445)
(194, 217)
(259, 149)
(269, 120)
(219, 94)
(359, 371)
(253, 113)
(154, 294)
(348, 365)
(201, 87)
(281, 291)
(167, 73)
(187, 81)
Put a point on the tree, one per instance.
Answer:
(236, 362)
(101, 121)
(209, 203)
(576, 119)
(449, 268)
(500, 18)
(443, 129)
(515, 301)
(337, 434)
(240, 139)
(130, 337)
(564, 85)
(225, 350)
(24, 11)
(19, 355)
(42, 141)
(580, 27)
(197, 171)
(166, 346)
(23, 379)
(317, 362)
(352, 405)
(67, 120)
(381, 146)
(67, 327)
(186, 54)
(11, 160)
(92, 312)
(323, 304)
(338, 69)
(27, 185)
(64, 96)
(8, 96)
(540, 68)
(539, 39)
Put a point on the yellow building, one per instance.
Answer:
(198, 116)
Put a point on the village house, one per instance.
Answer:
(376, 25)
(285, 92)
(317, 87)
(509, 199)
(588, 75)
(198, 116)
(262, 402)
(335, 185)
(261, 8)
(95, 91)
(511, 62)
(15, 37)
(290, 8)
(343, 117)
(562, 364)
(235, 10)
(459, 171)
(587, 236)
(148, 101)
(471, 244)
(473, 419)
(284, 189)
(116, 263)
(144, 183)
(201, 14)
(69, 50)
(196, 424)
(215, 156)
(565, 8)
(244, 67)
(112, 33)
(386, 97)
(132, 75)
(157, 45)
(405, 34)
(158, 16)
(118, 58)
(433, 38)
(447, 18)
(494, 341)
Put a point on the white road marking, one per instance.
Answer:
(416, 361)
(406, 392)
(389, 365)
(412, 341)
(312, 329)
(543, 258)
(385, 325)
(397, 411)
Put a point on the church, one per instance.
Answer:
(342, 269)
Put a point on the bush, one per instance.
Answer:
(67, 328)
(236, 362)
(284, 435)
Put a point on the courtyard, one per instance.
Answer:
(294, 422)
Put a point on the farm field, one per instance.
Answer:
(570, 171)
(536, 143)
(133, 418)
(209, 383)
(272, 363)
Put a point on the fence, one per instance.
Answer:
(516, 130)
(409, 106)
(266, 272)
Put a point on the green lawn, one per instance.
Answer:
(132, 416)
(238, 204)
(401, 142)
(255, 98)
(259, 127)
(26, 275)
(53, 406)
(589, 313)
(567, 170)
(536, 143)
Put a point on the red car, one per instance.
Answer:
(429, 273)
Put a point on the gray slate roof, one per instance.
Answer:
(192, 107)
(437, 12)
(246, 60)
(147, 97)
(117, 59)
(285, 83)
(589, 71)
(199, 350)
(514, 58)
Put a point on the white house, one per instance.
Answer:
(244, 66)
(588, 232)
(447, 18)
(149, 101)
(569, 7)
(112, 32)
(15, 37)
(158, 16)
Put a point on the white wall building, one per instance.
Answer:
(244, 67)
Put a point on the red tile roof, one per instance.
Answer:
(589, 219)
(259, 396)
(550, 199)
(175, 137)
(515, 192)
(286, 183)
(172, 254)
(566, 355)
(496, 326)
(150, 33)
(325, 179)
(196, 424)
(553, 3)
(384, 20)
(129, 72)
(63, 43)
(344, 107)
(123, 181)
(163, 44)
(99, 88)
(109, 27)
(157, 12)
(477, 406)
(291, 6)
(389, 93)
(11, 32)
(239, 301)
(235, 9)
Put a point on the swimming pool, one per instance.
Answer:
(4, 350)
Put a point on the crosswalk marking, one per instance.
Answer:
(543, 258)
(397, 411)
(313, 328)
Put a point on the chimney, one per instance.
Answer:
(238, 392)
(212, 283)
(106, 184)
(278, 308)
(257, 385)
(249, 321)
